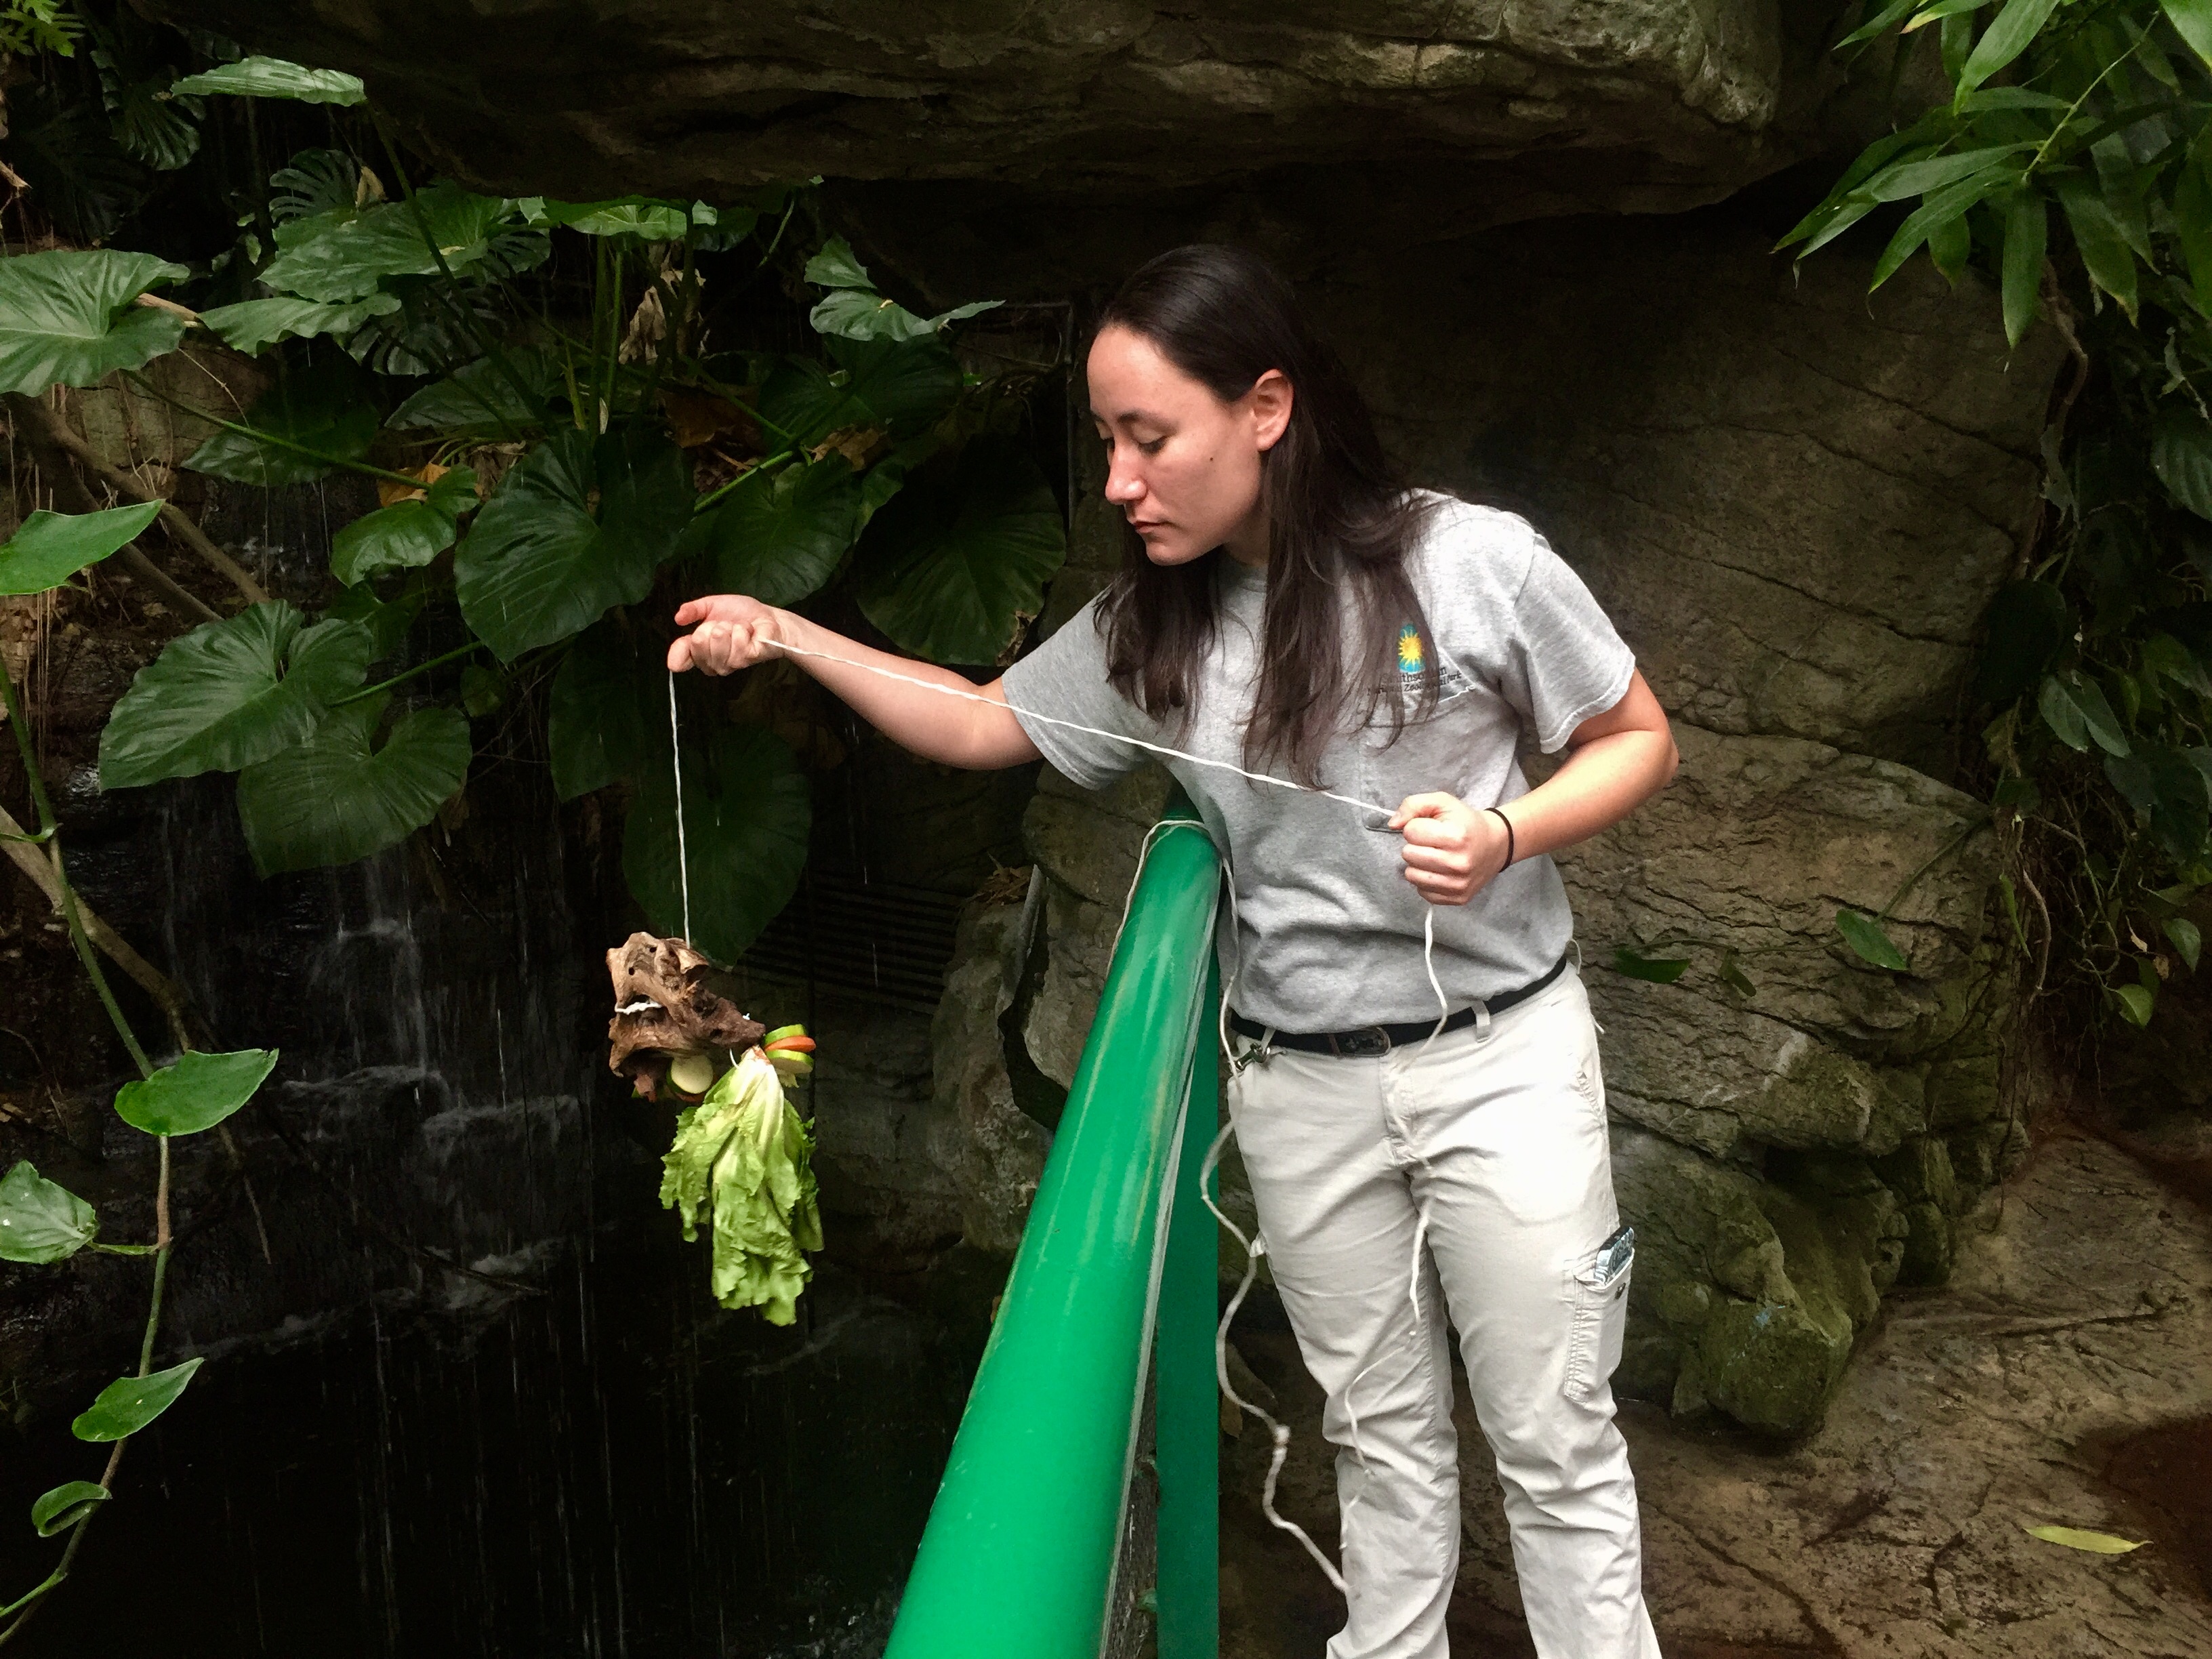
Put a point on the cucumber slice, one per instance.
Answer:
(692, 1073)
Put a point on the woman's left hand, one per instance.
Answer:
(1452, 852)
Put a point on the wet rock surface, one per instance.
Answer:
(2064, 1377)
(1648, 106)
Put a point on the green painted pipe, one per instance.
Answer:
(1017, 1559)
(1187, 1418)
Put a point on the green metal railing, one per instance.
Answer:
(1018, 1559)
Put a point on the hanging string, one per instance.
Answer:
(676, 763)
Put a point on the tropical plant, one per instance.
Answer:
(562, 451)
(2072, 165)
(41, 1221)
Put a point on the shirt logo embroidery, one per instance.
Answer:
(1411, 658)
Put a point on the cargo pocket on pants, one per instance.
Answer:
(1599, 1290)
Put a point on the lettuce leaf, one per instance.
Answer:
(742, 1164)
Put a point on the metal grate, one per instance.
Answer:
(862, 938)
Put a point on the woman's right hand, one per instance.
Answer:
(731, 632)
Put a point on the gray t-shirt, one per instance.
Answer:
(1330, 930)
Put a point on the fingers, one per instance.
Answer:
(1442, 888)
(1439, 860)
(1433, 804)
(715, 648)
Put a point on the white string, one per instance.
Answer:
(1092, 731)
(676, 762)
(1255, 1246)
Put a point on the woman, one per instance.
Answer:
(1289, 608)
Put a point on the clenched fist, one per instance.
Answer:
(732, 632)
(1452, 852)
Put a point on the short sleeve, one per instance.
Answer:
(1062, 686)
(1566, 663)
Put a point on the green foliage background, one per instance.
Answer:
(2071, 167)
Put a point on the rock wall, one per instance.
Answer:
(1640, 105)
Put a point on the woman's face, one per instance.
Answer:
(1182, 465)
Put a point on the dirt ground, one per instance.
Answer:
(2064, 1375)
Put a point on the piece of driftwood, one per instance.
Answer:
(670, 1000)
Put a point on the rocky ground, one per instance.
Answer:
(2064, 1375)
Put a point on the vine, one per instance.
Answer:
(2072, 165)
(41, 1221)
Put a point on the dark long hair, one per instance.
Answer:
(1340, 522)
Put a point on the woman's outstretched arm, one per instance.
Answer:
(730, 632)
(1615, 761)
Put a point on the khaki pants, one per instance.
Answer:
(1479, 1167)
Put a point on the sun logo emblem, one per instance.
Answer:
(1411, 659)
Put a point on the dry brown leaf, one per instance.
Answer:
(699, 417)
(389, 493)
(858, 445)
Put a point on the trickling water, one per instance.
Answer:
(574, 1453)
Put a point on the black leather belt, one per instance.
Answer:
(1368, 1042)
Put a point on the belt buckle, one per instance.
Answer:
(1369, 1043)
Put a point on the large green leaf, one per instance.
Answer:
(229, 694)
(58, 1510)
(746, 813)
(324, 408)
(779, 535)
(2165, 655)
(2026, 236)
(49, 548)
(482, 394)
(2192, 21)
(273, 77)
(346, 254)
(387, 620)
(902, 386)
(196, 1093)
(338, 797)
(854, 310)
(70, 318)
(956, 562)
(40, 1220)
(1940, 215)
(837, 266)
(607, 714)
(2076, 709)
(129, 1403)
(2136, 1003)
(2099, 238)
(2015, 26)
(2168, 793)
(1869, 942)
(251, 325)
(1656, 970)
(2028, 622)
(649, 217)
(406, 534)
(575, 528)
(863, 314)
(2181, 455)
